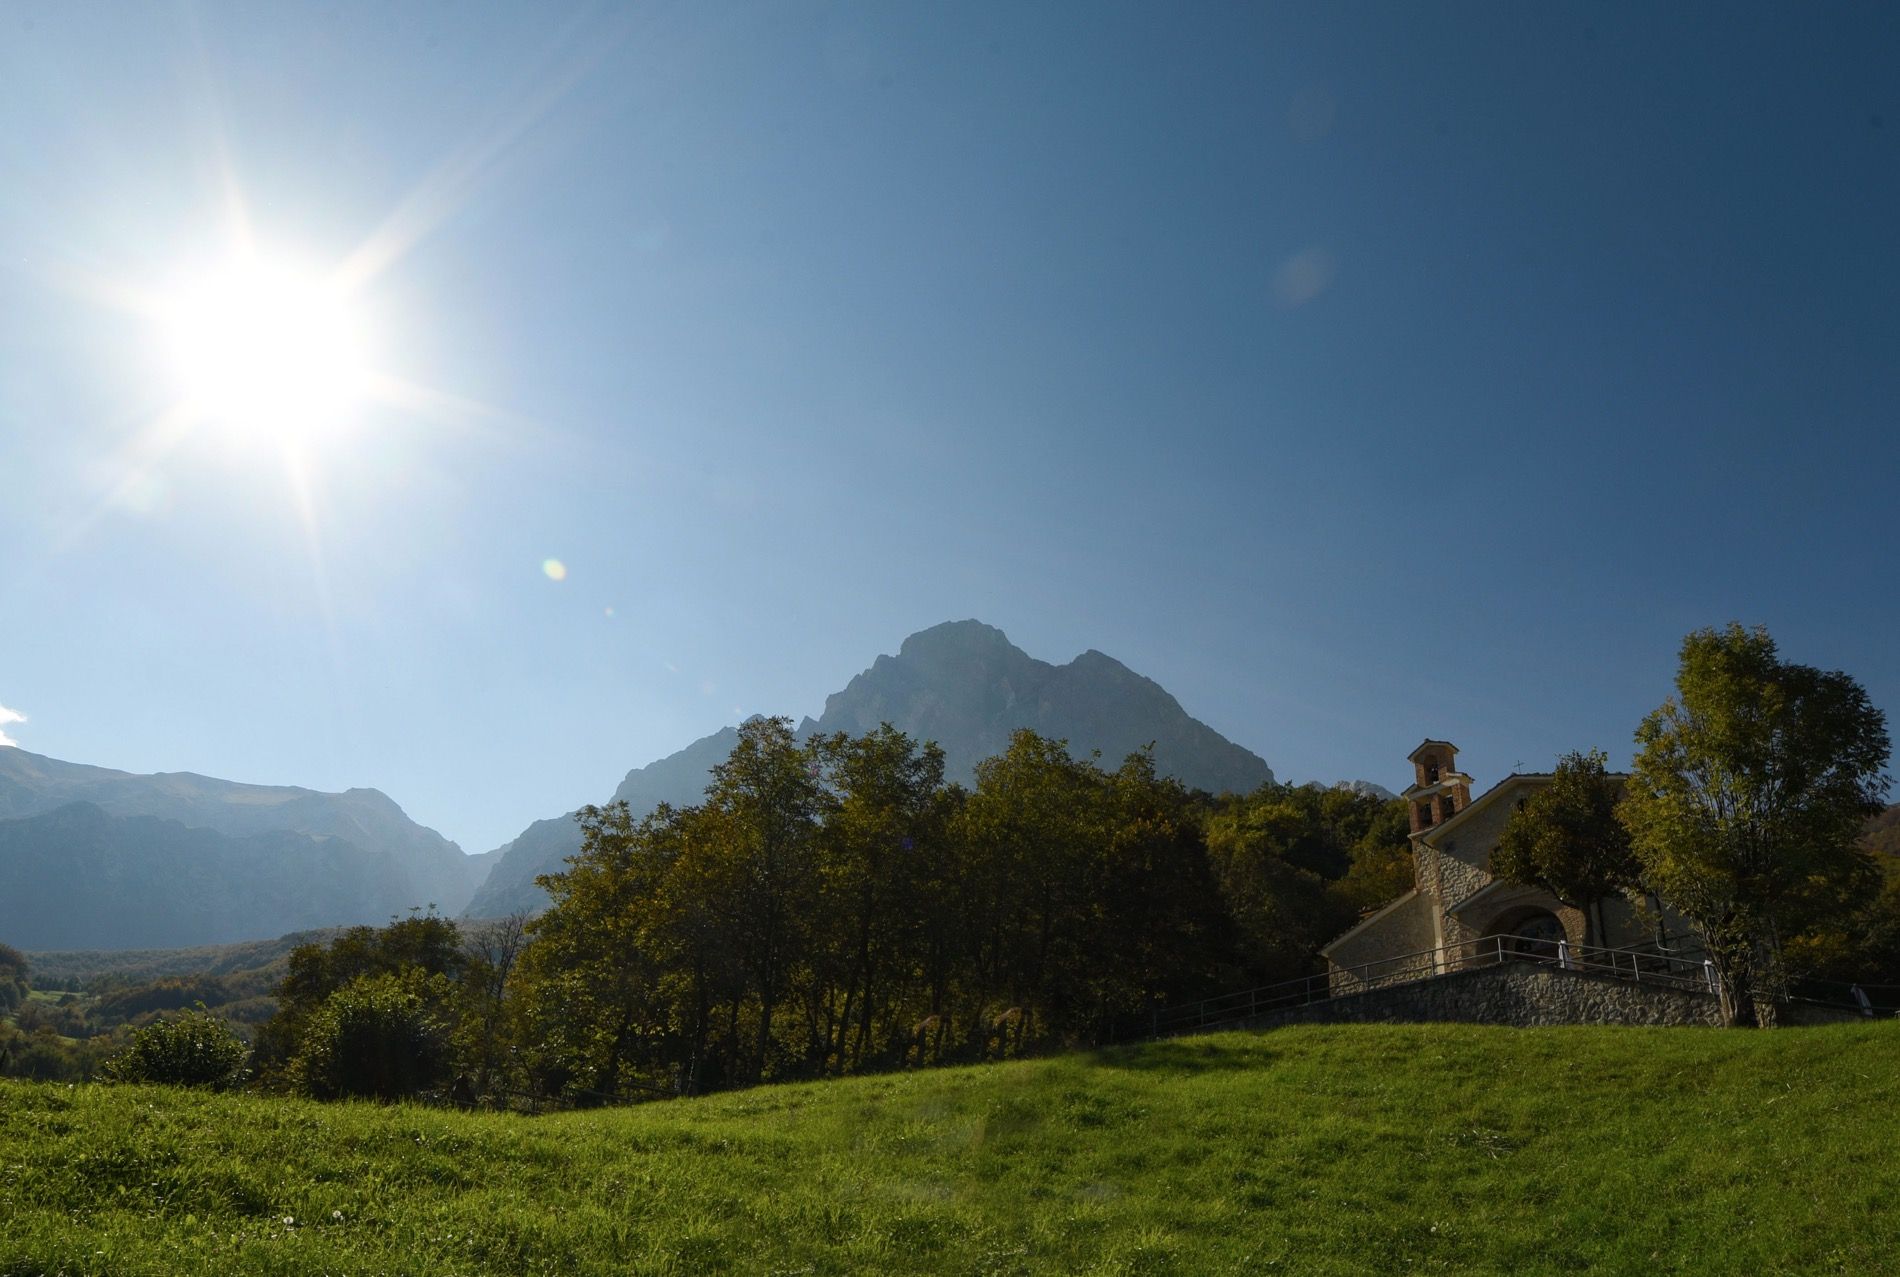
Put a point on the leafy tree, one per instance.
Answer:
(380, 1037)
(422, 942)
(1750, 789)
(1566, 837)
(13, 979)
(1161, 932)
(1297, 863)
(761, 820)
(1381, 867)
(1029, 826)
(884, 823)
(191, 1049)
(1263, 850)
(592, 1003)
(488, 962)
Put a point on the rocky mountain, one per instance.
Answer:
(541, 848)
(962, 684)
(262, 858)
(1367, 789)
(78, 877)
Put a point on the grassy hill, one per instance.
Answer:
(1361, 1149)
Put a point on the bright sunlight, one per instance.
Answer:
(265, 350)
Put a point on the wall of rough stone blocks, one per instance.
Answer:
(1526, 994)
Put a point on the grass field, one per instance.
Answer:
(1355, 1149)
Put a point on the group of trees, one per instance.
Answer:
(1745, 813)
(834, 906)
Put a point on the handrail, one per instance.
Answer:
(1650, 963)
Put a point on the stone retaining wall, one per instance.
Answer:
(1525, 994)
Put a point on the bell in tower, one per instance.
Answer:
(1439, 790)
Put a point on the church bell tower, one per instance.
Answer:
(1439, 790)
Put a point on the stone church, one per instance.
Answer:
(1455, 902)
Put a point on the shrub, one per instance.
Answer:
(192, 1049)
(376, 1037)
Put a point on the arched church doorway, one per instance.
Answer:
(1530, 933)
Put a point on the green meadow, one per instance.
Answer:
(1355, 1149)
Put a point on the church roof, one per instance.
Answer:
(1431, 833)
(1483, 800)
(1427, 744)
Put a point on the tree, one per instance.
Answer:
(764, 808)
(591, 996)
(1566, 837)
(488, 960)
(379, 1036)
(1750, 789)
(13, 979)
(422, 943)
(1296, 864)
(192, 1049)
(874, 854)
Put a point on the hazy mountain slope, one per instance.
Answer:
(545, 845)
(80, 877)
(962, 684)
(434, 869)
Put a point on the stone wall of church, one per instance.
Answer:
(1525, 994)
(1471, 844)
(1447, 878)
(1403, 932)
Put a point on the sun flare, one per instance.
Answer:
(265, 349)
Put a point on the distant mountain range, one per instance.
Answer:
(962, 684)
(96, 858)
(92, 858)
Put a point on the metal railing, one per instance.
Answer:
(1652, 964)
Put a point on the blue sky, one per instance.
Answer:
(1357, 372)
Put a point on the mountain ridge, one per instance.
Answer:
(960, 683)
(405, 864)
(80, 877)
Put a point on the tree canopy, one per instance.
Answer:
(1566, 837)
(1750, 791)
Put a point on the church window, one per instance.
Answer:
(1447, 807)
(1425, 813)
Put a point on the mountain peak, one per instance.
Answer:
(966, 635)
(962, 684)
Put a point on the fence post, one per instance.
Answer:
(1860, 996)
(1708, 973)
(1563, 955)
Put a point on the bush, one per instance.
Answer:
(377, 1037)
(193, 1049)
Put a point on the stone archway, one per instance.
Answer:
(1530, 932)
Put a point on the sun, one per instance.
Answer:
(265, 349)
